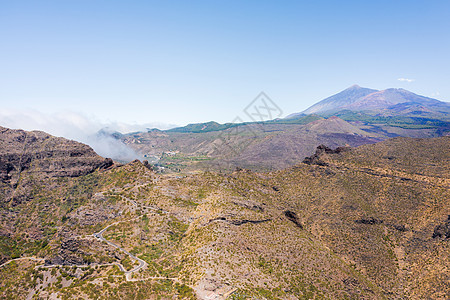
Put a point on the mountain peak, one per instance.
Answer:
(357, 98)
(346, 97)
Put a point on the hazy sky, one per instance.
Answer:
(193, 61)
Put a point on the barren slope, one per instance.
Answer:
(369, 222)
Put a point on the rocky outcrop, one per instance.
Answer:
(69, 254)
(43, 155)
(292, 216)
(242, 222)
(238, 222)
(76, 252)
(93, 215)
(249, 205)
(442, 230)
(369, 221)
(315, 159)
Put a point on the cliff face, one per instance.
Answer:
(40, 154)
(29, 159)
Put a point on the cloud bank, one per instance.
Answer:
(78, 127)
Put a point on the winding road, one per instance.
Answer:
(142, 263)
(22, 258)
(99, 236)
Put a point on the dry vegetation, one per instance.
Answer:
(354, 225)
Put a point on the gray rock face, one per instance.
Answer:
(321, 149)
(43, 155)
(442, 230)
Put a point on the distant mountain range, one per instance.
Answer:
(352, 117)
(393, 101)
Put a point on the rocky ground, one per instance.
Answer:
(368, 223)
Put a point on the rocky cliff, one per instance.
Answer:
(44, 155)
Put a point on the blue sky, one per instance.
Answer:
(181, 62)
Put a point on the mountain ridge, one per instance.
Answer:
(352, 117)
(356, 98)
(350, 95)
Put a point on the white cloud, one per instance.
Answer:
(77, 127)
(405, 79)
